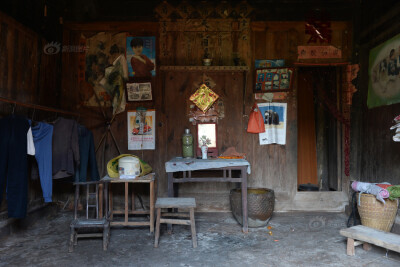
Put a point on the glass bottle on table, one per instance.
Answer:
(187, 144)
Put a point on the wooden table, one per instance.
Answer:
(149, 178)
(187, 166)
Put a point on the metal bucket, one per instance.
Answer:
(260, 204)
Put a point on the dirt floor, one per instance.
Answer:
(296, 239)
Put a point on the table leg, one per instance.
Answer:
(132, 200)
(152, 207)
(111, 208)
(126, 201)
(170, 194)
(100, 200)
(245, 228)
(106, 208)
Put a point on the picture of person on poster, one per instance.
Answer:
(141, 65)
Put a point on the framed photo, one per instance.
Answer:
(269, 80)
(138, 92)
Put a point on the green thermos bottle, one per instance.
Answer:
(187, 144)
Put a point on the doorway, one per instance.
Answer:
(319, 132)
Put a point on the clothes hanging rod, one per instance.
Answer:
(38, 107)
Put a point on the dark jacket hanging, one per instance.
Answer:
(13, 164)
(65, 148)
(87, 156)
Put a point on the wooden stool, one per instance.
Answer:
(179, 203)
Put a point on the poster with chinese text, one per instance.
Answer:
(141, 129)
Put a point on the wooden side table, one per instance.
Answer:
(149, 178)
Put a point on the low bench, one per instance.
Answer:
(366, 236)
(175, 203)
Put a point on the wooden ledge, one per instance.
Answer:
(206, 68)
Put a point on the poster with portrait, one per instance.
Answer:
(141, 129)
(384, 70)
(106, 72)
(138, 91)
(141, 56)
(274, 116)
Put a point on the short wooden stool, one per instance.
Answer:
(175, 203)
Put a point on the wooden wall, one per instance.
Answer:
(273, 166)
(26, 75)
(375, 156)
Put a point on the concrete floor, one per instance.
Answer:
(298, 239)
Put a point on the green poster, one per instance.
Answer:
(384, 74)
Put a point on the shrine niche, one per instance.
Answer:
(189, 33)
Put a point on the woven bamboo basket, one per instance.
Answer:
(375, 214)
(260, 204)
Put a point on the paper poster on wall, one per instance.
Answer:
(384, 69)
(106, 72)
(141, 129)
(141, 56)
(274, 115)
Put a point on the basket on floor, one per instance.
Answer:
(375, 214)
(260, 204)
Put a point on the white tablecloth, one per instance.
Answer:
(191, 164)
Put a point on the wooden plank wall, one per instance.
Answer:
(273, 166)
(375, 156)
(26, 75)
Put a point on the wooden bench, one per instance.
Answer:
(366, 236)
(175, 203)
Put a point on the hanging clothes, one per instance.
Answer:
(65, 148)
(87, 156)
(14, 164)
(42, 138)
(30, 144)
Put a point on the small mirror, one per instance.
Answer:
(210, 131)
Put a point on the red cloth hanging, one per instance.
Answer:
(256, 121)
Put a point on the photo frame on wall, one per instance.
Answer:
(270, 80)
(138, 92)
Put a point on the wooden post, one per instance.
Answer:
(350, 247)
